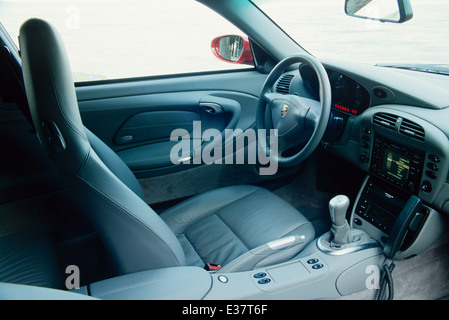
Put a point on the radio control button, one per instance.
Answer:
(431, 174)
(426, 186)
(364, 157)
(434, 158)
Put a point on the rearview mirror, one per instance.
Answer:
(397, 11)
(233, 49)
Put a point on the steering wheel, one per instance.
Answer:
(299, 121)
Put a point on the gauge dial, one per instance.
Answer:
(358, 96)
(339, 88)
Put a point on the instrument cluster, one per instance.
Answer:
(348, 96)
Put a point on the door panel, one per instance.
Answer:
(141, 129)
(150, 109)
(147, 135)
(151, 127)
(137, 124)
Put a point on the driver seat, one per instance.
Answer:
(239, 227)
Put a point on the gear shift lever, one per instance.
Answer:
(342, 237)
(337, 208)
(340, 228)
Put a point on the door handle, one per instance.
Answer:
(211, 107)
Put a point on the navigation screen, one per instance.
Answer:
(396, 165)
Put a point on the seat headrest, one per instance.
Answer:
(51, 94)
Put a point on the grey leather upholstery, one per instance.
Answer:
(9, 291)
(135, 236)
(216, 227)
(114, 163)
(30, 258)
(181, 283)
(241, 217)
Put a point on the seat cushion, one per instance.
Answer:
(30, 258)
(223, 224)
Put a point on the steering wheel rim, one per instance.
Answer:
(319, 121)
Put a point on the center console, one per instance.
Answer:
(404, 151)
(378, 206)
(405, 157)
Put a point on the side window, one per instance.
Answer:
(113, 39)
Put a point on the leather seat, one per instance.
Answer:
(234, 227)
(222, 226)
(30, 258)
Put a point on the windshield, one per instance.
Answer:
(323, 29)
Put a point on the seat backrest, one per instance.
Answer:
(135, 236)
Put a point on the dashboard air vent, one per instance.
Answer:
(400, 125)
(412, 129)
(283, 85)
(385, 120)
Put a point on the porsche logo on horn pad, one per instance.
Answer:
(284, 110)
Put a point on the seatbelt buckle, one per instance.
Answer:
(212, 267)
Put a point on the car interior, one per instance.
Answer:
(94, 203)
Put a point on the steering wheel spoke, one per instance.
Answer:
(314, 112)
(270, 96)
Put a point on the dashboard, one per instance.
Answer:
(388, 122)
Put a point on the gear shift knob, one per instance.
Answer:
(337, 208)
(341, 235)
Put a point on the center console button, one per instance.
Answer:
(260, 275)
(317, 266)
(312, 261)
(264, 281)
